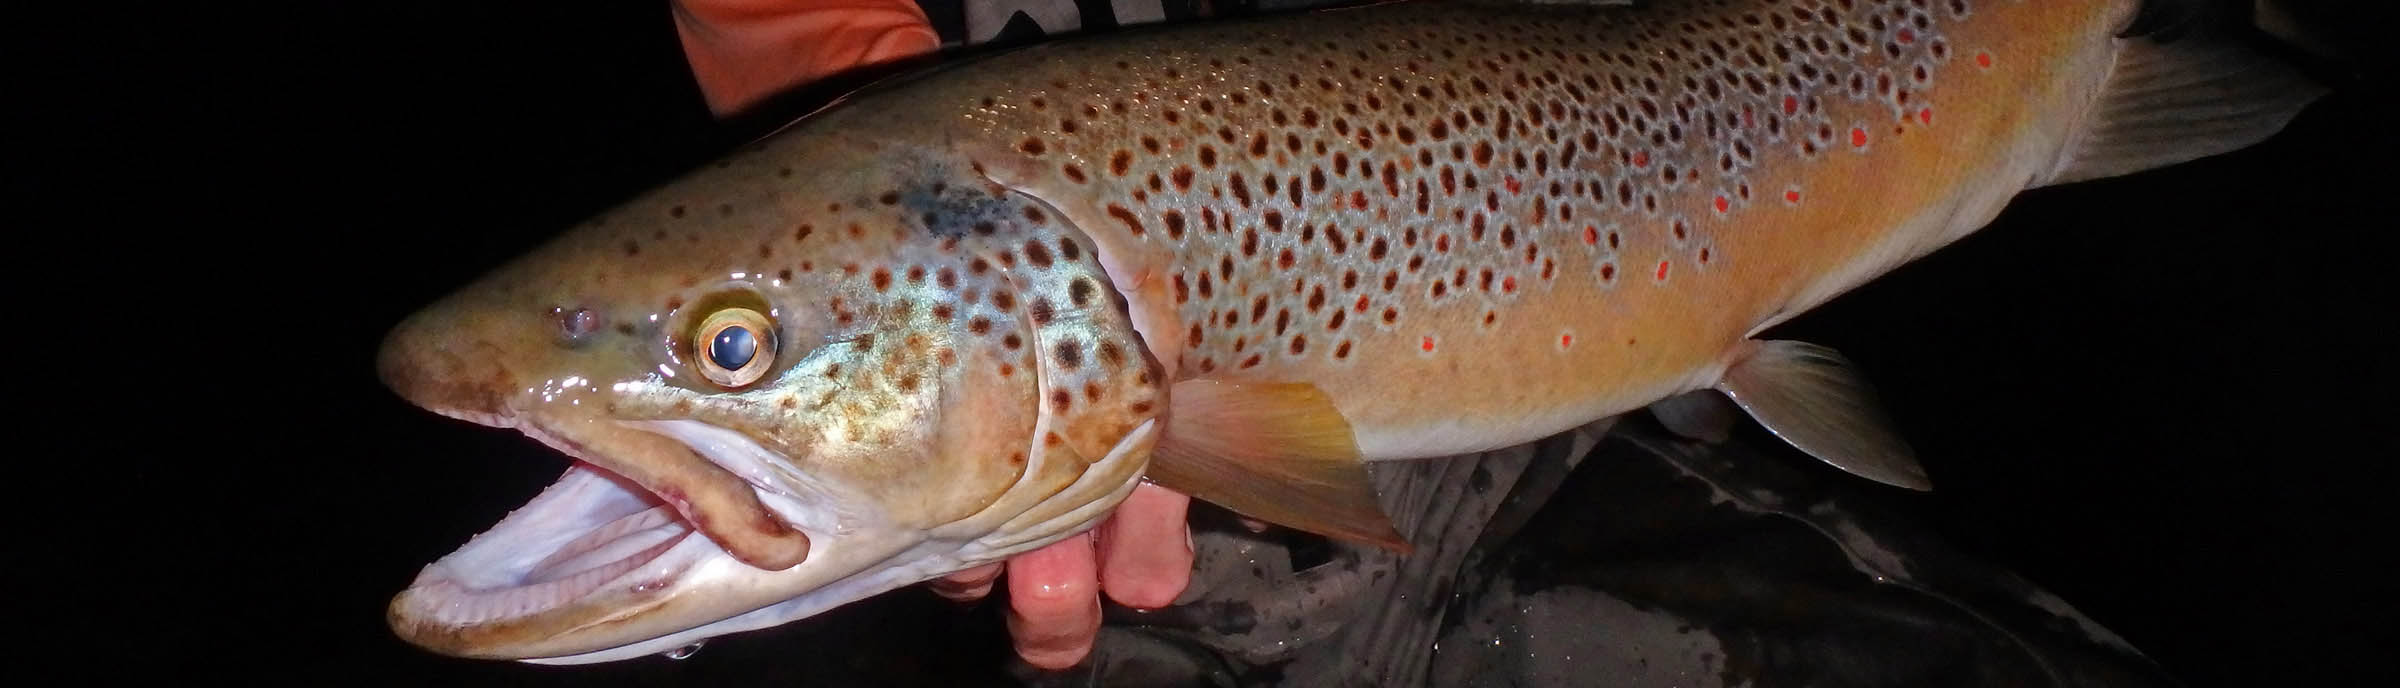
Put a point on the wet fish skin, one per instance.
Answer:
(888, 431)
(1458, 226)
(1210, 167)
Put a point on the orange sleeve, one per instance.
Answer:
(742, 51)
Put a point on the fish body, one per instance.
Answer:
(957, 315)
(1559, 215)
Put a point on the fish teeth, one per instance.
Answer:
(609, 543)
(449, 602)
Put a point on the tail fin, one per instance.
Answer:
(2182, 90)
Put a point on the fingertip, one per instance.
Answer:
(963, 593)
(1149, 590)
(1059, 642)
(1051, 581)
(1055, 658)
(979, 575)
(1148, 561)
(966, 586)
(1054, 603)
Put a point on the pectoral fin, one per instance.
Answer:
(1809, 396)
(1276, 452)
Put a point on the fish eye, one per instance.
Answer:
(735, 346)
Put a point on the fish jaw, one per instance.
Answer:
(600, 561)
(883, 561)
(939, 351)
(598, 569)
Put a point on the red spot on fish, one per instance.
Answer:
(1906, 37)
(1591, 235)
(1641, 159)
(1791, 196)
(1723, 205)
(1426, 344)
(1662, 271)
(1514, 186)
(1858, 137)
(1925, 115)
(1984, 60)
(1566, 340)
(1508, 285)
(1791, 104)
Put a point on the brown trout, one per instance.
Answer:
(959, 315)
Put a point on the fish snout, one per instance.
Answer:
(437, 370)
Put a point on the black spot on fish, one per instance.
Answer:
(952, 211)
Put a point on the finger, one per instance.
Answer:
(1054, 603)
(966, 586)
(1146, 549)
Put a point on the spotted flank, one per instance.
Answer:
(961, 314)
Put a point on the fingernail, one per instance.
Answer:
(973, 594)
(1055, 660)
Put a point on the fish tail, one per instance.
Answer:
(2185, 84)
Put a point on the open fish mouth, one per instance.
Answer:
(596, 561)
(667, 532)
(592, 550)
(598, 567)
(587, 530)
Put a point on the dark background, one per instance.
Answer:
(2164, 397)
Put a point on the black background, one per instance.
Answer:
(2164, 397)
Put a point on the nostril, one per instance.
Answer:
(577, 323)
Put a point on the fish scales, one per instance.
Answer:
(1560, 213)
(960, 315)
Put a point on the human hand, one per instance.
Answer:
(1141, 556)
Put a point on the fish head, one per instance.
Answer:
(785, 390)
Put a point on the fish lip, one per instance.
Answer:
(498, 596)
(487, 599)
(584, 550)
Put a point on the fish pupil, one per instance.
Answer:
(732, 348)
